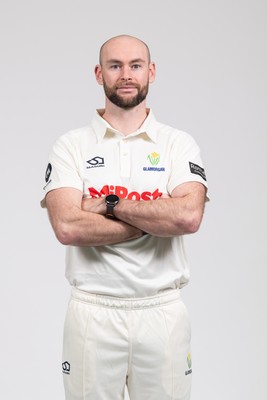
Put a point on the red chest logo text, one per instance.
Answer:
(123, 193)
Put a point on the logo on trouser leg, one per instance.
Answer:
(189, 363)
(66, 368)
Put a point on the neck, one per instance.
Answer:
(125, 121)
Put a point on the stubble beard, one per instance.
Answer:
(126, 103)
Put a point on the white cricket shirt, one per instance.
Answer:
(99, 160)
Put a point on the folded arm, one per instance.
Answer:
(74, 226)
(176, 215)
(179, 214)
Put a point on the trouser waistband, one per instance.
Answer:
(166, 297)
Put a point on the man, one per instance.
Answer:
(121, 193)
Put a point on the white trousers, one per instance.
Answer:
(112, 342)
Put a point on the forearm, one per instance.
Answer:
(95, 230)
(163, 217)
(77, 227)
(178, 214)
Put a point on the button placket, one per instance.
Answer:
(124, 158)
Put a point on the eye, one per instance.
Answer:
(115, 66)
(136, 66)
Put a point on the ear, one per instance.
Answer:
(152, 72)
(98, 74)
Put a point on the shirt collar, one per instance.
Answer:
(103, 129)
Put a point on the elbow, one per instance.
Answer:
(64, 234)
(191, 224)
(193, 227)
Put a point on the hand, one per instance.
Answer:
(97, 206)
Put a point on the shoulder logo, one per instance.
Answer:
(48, 172)
(47, 175)
(66, 368)
(196, 169)
(96, 162)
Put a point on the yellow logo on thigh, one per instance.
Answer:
(189, 363)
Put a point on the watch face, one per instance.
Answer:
(112, 198)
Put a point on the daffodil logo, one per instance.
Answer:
(189, 361)
(154, 158)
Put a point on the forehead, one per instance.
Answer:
(125, 49)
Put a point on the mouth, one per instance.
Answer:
(126, 86)
(127, 91)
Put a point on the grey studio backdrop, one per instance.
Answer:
(211, 82)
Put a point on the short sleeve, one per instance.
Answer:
(186, 162)
(62, 170)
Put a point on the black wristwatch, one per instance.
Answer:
(111, 201)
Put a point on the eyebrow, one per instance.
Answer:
(115, 61)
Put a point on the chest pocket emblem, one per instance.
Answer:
(154, 158)
(96, 162)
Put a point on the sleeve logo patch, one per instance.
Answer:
(48, 172)
(196, 169)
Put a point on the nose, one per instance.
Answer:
(125, 80)
(126, 74)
